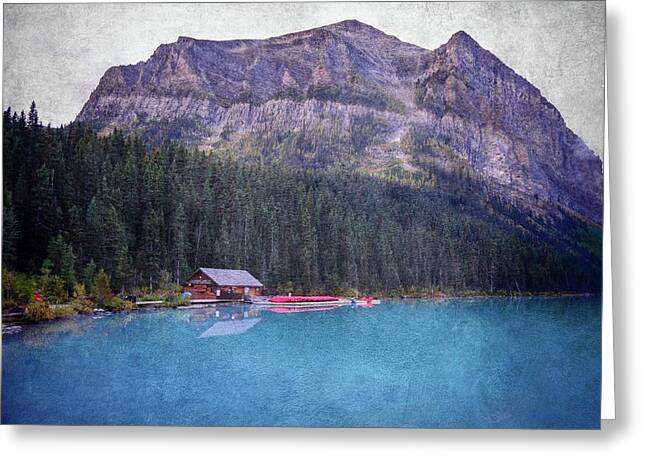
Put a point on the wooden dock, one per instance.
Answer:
(196, 302)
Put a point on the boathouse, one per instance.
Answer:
(211, 283)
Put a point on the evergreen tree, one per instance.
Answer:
(10, 233)
(179, 245)
(101, 288)
(61, 258)
(89, 274)
(149, 254)
(32, 120)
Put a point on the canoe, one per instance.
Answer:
(297, 304)
(309, 308)
(302, 304)
(302, 298)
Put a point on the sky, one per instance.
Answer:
(55, 54)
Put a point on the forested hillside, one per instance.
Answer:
(84, 202)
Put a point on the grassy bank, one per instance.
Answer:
(47, 297)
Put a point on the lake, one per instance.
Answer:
(485, 363)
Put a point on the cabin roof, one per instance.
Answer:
(231, 277)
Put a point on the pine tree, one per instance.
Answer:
(10, 233)
(101, 288)
(149, 253)
(106, 241)
(62, 259)
(89, 273)
(32, 120)
(180, 246)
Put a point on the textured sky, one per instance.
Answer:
(55, 54)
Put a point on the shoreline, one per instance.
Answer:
(545, 295)
(11, 320)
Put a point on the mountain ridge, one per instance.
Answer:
(390, 104)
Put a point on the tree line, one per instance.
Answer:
(75, 202)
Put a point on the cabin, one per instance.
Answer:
(230, 284)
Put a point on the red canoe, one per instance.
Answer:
(303, 298)
(302, 309)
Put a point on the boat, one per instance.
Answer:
(302, 298)
(294, 304)
(292, 309)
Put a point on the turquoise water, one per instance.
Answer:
(510, 363)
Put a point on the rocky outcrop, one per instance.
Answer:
(506, 129)
(349, 78)
(348, 62)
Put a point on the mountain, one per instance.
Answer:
(350, 95)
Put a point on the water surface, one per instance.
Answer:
(512, 363)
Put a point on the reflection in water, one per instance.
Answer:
(11, 329)
(230, 327)
(42, 334)
(239, 319)
(228, 312)
(230, 321)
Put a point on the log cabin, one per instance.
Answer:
(210, 283)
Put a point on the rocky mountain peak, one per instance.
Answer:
(352, 25)
(462, 39)
(395, 101)
(346, 27)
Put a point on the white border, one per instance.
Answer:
(607, 343)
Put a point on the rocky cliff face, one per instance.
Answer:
(348, 90)
(506, 129)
